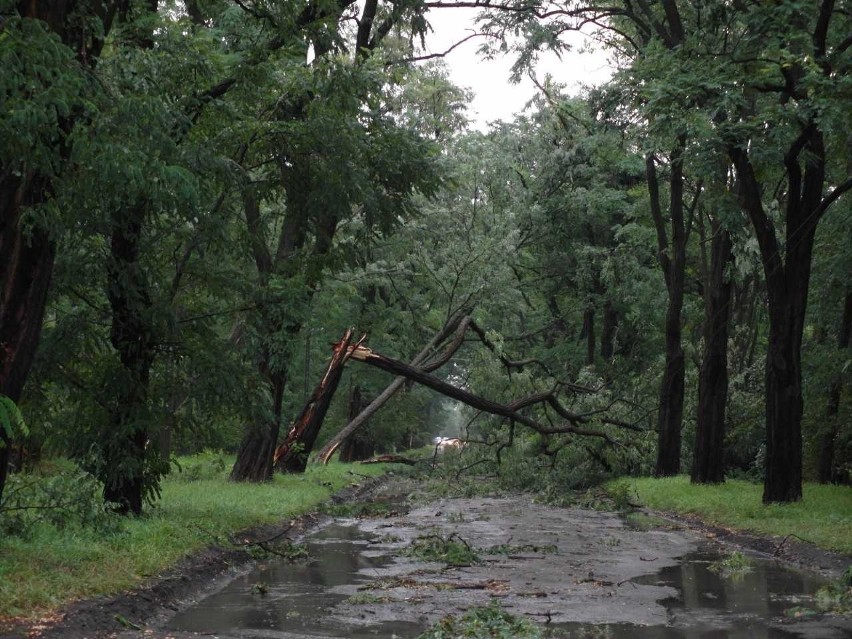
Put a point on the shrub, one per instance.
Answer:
(66, 500)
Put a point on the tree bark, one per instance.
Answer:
(672, 259)
(358, 446)
(588, 333)
(292, 455)
(124, 458)
(608, 331)
(787, 275)
(825, 461)
(254, 458)
(26, 267)
(708, 459)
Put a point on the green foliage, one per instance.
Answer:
(489, 622)
(734, 566)
(11, 420)
(451, 550)
(68, 501)
(51, 566)
(41, 87)
(836, 597)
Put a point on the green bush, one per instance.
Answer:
(63, 501)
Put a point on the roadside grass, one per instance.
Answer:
(823, 517)
(51, 567)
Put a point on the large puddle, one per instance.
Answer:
(598, 579)
(288, 600)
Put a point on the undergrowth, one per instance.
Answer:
(56, 558)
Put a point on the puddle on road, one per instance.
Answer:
(747, 605)
(299, 599)
(296, 596)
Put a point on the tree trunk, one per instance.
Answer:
(26, 267)
(358, 446)
(254, 458)
(588, 333)
(608, 331)
(124, 469)
(708, 461)
(670, 417)
(825, 462)
(292, 455)
(783, 479)
(672, 259)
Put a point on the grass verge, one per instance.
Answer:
(823, 517)
(51, 567)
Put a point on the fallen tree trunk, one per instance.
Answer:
(291, 456)
(458, 324)
(367, 356)
(390, 459)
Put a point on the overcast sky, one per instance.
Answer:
(496, 98)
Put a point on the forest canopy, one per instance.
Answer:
(651, 277)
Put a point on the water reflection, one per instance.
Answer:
(293, 598)
(742, 605)
(298, 598)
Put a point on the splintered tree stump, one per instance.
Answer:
(291, 456)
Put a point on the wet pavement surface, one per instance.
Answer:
(580, 573)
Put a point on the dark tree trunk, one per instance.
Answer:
(783, 480)
(672, 259)
(588, 333)
(825, 461)
(359, 445)
(26, 267)
(124, 463)
(708, 461)
(787, 280)
(254, 458)
(608, 331)
(670, 418)
(292, 455)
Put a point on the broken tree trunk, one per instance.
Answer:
(455, 322)
(367, 356)
(292, 455)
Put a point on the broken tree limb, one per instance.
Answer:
(453, 325)
(390, 459)
(367, 356)
(292, 454)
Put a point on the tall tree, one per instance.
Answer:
(336, 151)
(45, 50)
(796, 70)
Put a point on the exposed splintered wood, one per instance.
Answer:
(457, 323)
(292, 454)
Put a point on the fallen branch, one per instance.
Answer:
(391, 459)
(448, 329)
(367, 356)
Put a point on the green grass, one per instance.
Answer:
(823, 517)
(52, 567)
